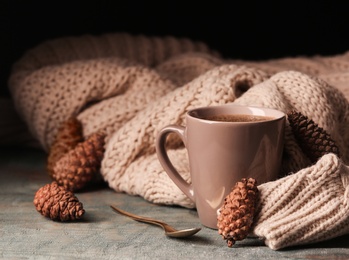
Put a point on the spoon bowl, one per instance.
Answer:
(169, 230)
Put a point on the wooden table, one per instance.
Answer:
(104, 234)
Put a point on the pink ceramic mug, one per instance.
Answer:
(222, 151)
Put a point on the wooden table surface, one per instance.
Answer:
(104, 234)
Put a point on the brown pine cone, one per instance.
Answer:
(236, 214)
(313, 140)
(57, 203)
(80, 165)
(68, 136)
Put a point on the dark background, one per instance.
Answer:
(237, 29)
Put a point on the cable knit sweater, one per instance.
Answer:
(131, 86)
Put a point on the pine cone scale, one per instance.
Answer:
(236, 214)
(80, 165)
(57, 203)
(68, 136)
(312, 139)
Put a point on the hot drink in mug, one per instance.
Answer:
(225, 144)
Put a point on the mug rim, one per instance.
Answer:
(262, 111)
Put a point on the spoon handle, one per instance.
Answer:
(142, 219)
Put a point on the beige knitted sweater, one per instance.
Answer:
(132, 86)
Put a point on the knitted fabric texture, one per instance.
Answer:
(312, 205)
(132, 86)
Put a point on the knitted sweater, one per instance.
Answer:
(132, 86)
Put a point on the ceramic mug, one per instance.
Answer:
(225, 144)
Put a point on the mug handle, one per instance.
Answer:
(165, 161)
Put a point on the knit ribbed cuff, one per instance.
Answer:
(307, 207)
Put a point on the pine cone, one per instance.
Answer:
(57, 203)
(68, 136)
(236, 214)
(313, 140)
(80, 165)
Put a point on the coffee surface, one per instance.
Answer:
(238, 118)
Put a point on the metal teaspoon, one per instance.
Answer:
(169, 231)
